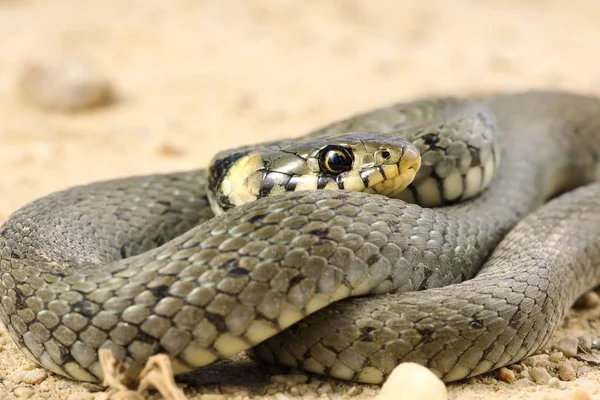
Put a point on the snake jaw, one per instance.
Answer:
(410, 163)
(397, 177)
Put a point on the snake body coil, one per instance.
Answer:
(139, 266)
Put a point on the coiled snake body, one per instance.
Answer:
(138, 265)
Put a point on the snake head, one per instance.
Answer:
(360, 162)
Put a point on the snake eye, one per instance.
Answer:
(386, 155)
(335, 159)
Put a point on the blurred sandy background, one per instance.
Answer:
(197, 76)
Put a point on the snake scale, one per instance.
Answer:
(139, 265)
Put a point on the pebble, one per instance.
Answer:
(170, 150)
(568, 346)
(556, 356)
(584, 369)
(585, 343)
(517, 367)
(64, 85)
(22, 392)
(523, 382)
(301, 389)
(81, 396)
(326, 388)
(35, 376)
(566, 371)
(368, 392)
(540, 375)
(353, 391)
(579, 394)
(272, 390)
(413, 381)
(281, 396)
(538, 360)
(507, 375)
(93, 387)
(554, 382)
(63, 385)
(589, 300)
(213, 397)
(488, 379)
(231, 390)
(289, 379)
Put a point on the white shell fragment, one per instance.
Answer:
(411, 381)
(64, 85)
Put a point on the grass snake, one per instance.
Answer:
(141, 266)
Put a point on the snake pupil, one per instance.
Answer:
(386, 154)
(335, 159)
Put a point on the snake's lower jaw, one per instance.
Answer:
(406, 173)
(410, 164)
(393, 187)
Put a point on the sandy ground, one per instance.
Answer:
(194, 77)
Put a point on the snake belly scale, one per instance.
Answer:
(315, 279)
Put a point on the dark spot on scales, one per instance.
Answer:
(365, 333)
(486, 119)
(430, 139)
(475, 160)
(291, 184)
(238, 271)
(20, 303)
(545, 305)
(159, 241)
(373, 258)
(159, 292)
(144, 337)
(515, 318)
(426, 335)
(322, 181)
(85, 308)
(364, 176)
(486, 352)
(476, 324)
(216, 320)
(256, 218)
(427, 272)
(269, 182)
(123, 252)
(321, 233)
(296, 279)
(224, 202)
(65, 354)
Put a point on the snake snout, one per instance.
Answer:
(411, 160)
